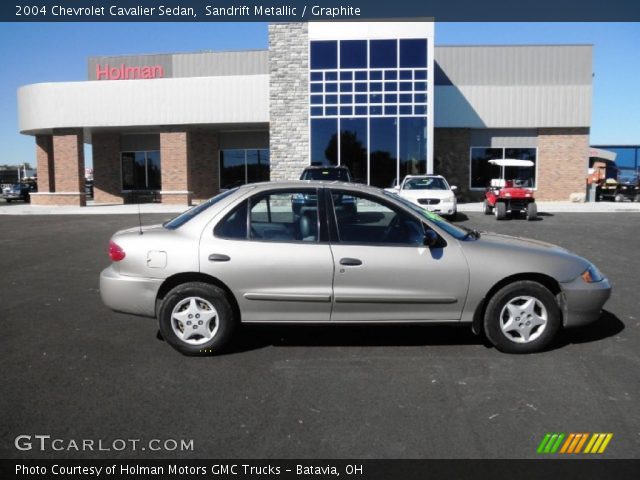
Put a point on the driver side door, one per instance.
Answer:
(382, 270)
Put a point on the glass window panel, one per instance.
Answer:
(353, 54)
(625, 156)
(376, 75)
(383, 147)
(346, 75)
(346, 87)
(375, 98)
(390, 110)
(375, 86)
(375, 110)
(331, 76)
(346, 98)
(527, 175)
(420, 74)
(420, 86)
(324, 141)
(324, 54)
(316, 88)
(353, 147)
(316, 111)
(420, 110)
(405, 98)
(413, 146)
(361, 75)
(316, 99)
(346, 110)
(154, 181)
(391, 74)
(406, 75)
(258, 165)
(420, 98)
(413, 53)
(234, 226)
(405, 110)
(232, 168)
(405, 86)
(361, 99)
(331, 111)
(128, 170)
(390, 98)
(361, 110)
(481, 170)
(383, 54)
(331, 87)
(361, 87)
(316, 76)
(331, 99)
(272, 218)
(391, 86)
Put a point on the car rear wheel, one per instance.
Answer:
(522, 317)
(487, 208)
(532, 211)
(196, 319)
(501, 211)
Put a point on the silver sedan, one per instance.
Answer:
(318, 252)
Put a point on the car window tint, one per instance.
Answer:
(234, 225)
(290, 216)
(363, 220)
(183, 218)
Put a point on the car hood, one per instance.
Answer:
(415, 194)
(494, 252)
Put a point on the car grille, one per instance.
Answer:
(428, 201)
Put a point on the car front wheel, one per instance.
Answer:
(196, 319)
(522, 317)
(487, 208)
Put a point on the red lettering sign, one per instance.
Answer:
(124, 72)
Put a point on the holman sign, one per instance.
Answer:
(125, 72)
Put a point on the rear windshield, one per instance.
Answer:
(340, 174)
(184, 217)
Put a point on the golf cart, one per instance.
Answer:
(505, 197)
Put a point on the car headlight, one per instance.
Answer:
(592, 275)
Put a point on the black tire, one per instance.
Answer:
(487, 208)
(637, 198)
(8, 200)
(532, 211)
(618, 198)
(453, 216)
(501, 211)
(225, 318)
(508, 293)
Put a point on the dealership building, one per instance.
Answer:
(379, 97)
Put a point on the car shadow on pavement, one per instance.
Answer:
(252, 337)
(606, 326)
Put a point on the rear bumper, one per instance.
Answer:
(582, 302)
(135, 295)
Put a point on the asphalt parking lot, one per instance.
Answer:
(73, 369)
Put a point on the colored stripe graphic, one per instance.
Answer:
(573, 443)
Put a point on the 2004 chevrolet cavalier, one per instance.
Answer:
(247, 255)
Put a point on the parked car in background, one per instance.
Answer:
(18, 191)
(431, 192)
(245, 256)
(331, 173)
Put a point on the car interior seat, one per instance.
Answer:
(309, 225)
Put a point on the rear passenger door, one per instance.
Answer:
(271, 253)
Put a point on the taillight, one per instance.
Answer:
(116, 253)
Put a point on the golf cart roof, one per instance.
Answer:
(509, 162)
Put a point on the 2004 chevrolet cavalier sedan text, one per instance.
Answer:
(251, 255)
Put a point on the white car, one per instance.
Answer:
(431, 192)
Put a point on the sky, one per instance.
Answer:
(56, 52)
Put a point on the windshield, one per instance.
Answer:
(425, 183)
(451, 229)
(184, 217)
(340, 174)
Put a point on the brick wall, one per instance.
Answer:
(451, 160)
(174, 168)
(107, 175)
(288, 99)
(562, 162)
(68, 154)
(202, 151)
(44, 162)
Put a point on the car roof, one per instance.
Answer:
(262, 186)
(424, 176)
(326, 167)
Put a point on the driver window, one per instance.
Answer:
(363, 220)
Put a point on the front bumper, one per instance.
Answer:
(582, 302)
(135, 295)
(441, 208)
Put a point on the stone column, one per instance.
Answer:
(44, 161)
(203, 163)
(107, 168)
(174, 168)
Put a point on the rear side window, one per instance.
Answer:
(234, 225)
(183, 218)
(288, 216)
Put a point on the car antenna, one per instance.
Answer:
(139, 216)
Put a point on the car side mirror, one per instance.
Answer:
(433, 240)
(454, 188)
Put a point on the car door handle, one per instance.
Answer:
(350, 262)
(218, 257)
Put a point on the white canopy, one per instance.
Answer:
(510, 162)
